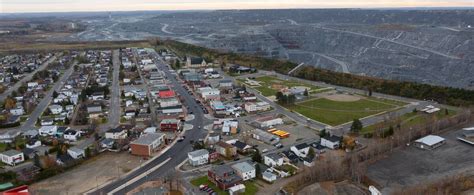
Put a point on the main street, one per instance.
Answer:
(177, 153)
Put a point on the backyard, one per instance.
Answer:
(250, 188)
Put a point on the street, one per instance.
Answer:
(114, 108)
(177, 153)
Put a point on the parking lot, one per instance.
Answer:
(409, 166)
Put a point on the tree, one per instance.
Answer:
(322, 133)
(291, 99)
(446, 111)
(55, 94)
(37, 161)
(258, 171)
(67, 121)
(279, 96)
(87, 152)
(10, 103)
(356, 126)
(311, 153)
(257, 157)
(306, 93)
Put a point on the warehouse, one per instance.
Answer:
(429, 142)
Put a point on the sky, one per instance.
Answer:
(19, 6)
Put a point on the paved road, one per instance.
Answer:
(27, 78)
(41, 107)
(114, 110)
(177, 153)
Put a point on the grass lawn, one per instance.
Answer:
(3, 146)
(250, 187)
(268, 81)
(203, 180)
(411, 119)
(335, 112)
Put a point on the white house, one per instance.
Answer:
(429, 142)
(12, 157)
(269, 121)
(198, 157)
(245, 170)
(33, 143)
(76, 153)
(116, 133)
(273, 160)
(269, 176)
(300, 150)
(332, 142)
(72, 135)
(32, 85)
(18, 111)
(48, 130)
(55, 109)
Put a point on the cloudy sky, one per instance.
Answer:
(9, 6)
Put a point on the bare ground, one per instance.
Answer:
(88, 175)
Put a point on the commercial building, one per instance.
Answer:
(147, 144)
(12, 157)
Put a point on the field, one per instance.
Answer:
(333, 112)
(267, 82)
(250, 187)
(412, 118)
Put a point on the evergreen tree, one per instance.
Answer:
(356, 126)
(257, 157)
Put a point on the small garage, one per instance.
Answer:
(430, 142)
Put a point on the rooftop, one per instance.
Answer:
(243, 167)
(148, 138)
(11, 153)
(430, 140)
(198, 153)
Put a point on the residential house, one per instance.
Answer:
(99, 95)
(230, 127)
(94, 111)
(225, 149)
(300, 150)
(48, 130)
(55, 109)
(269, 176)
(274, 159)
(12, 157)
(332, 141)
(226, 84)
(76, 152)
(242, 147)
(33, 143)
(245, 170)
(18, 111)
(213, 138)
(9, 136)
(198, 157)
(116, 133)
(223, 176)
(71, 135)
(290, 157)
(107, 143)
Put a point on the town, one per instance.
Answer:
(146, 120)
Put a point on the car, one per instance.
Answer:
(236, 159)
(279, 145)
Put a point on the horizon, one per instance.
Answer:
(55, 6)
